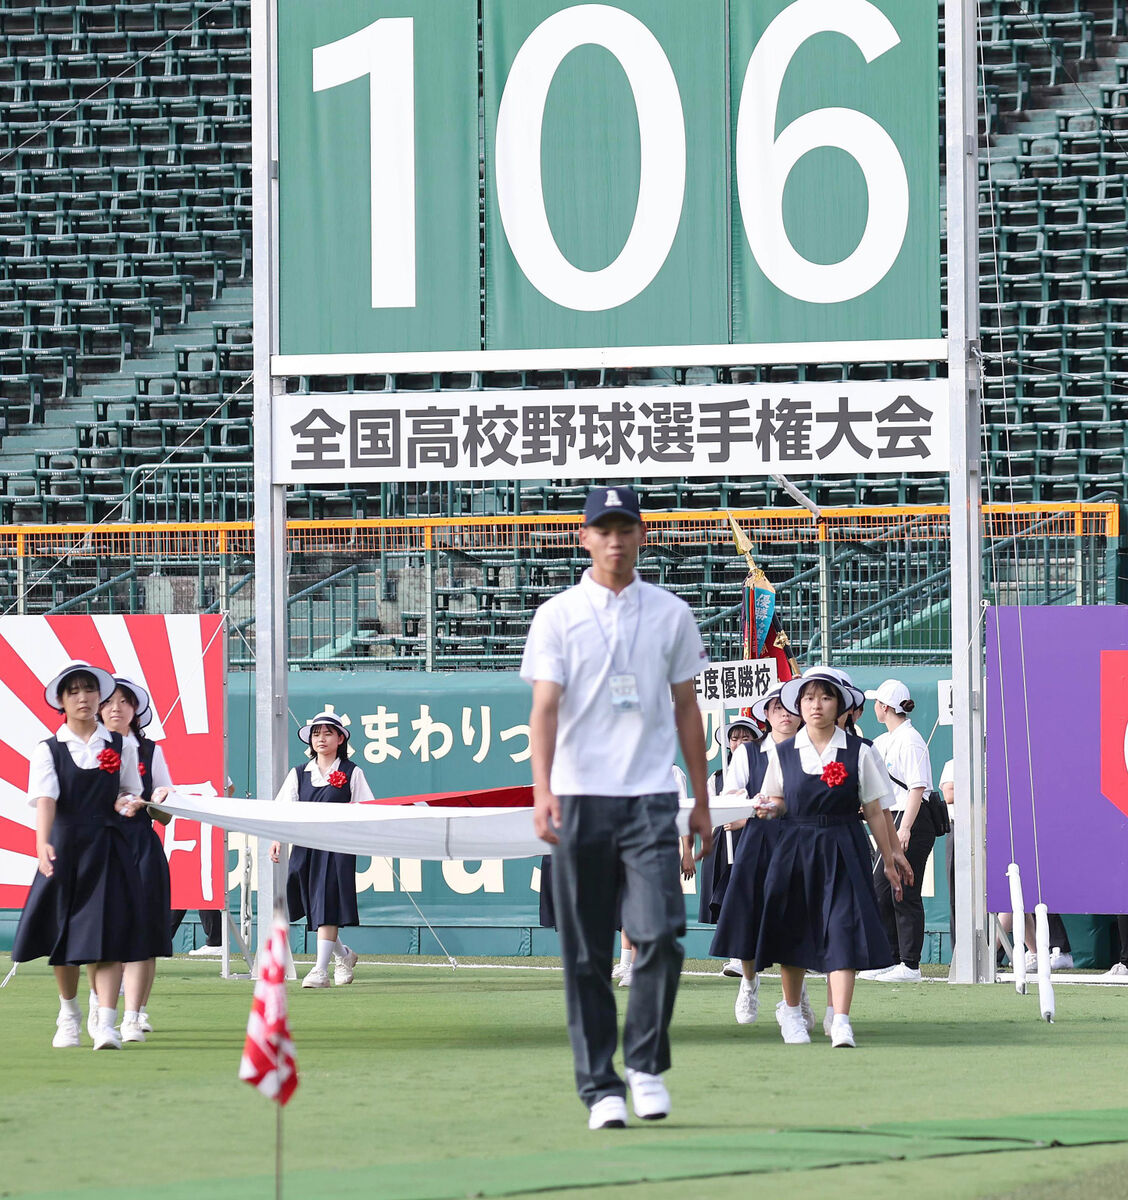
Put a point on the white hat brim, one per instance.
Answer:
(144, 705)
(105, 680)
(789, 693)
(760, 708)
(323, 718)
(739, 723)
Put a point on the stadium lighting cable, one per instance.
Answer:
(114, 79)
(120, 506)
(1018, 933)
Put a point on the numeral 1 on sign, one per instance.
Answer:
(384, 52)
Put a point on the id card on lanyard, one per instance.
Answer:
(622, 683)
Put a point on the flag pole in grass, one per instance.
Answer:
(268, 1062)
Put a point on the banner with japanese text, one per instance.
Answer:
(179, 661)
(691, 430)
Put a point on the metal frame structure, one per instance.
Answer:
(973, 962)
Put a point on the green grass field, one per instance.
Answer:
(419, 1082)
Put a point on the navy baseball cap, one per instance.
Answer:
(611, 501)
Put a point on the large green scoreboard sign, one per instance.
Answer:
(644, 181)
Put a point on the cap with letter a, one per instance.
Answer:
(611, 502)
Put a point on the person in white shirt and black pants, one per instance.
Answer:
(906, 759)
(612, 662)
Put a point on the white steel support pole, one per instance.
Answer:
(973, 961)
(270, 499)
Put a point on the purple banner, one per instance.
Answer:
(1057, 715)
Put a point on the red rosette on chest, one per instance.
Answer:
(109, 760)
(141, 769)
(337, 779)
(834, 774)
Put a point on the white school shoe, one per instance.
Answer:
(1031, 962)
(66, 1031)
(143, 1022)
(841, 1033)
(649, 1097)
(733, 969)
(318, 977)
(748, 1001)
(625, 978)
(1116, 971)
(806, 1009)
(828, 1020)
(792, 1025)
(872, 973)
(92, 1018)
(608, 1113)
(108, 1038)
(206, 952)
(343, 970)
(1061, 960)
(618, 969)
(900, 974)
(131, 1031)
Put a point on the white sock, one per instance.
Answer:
(625, 953)
(107, 1018)
(841, 1018)
(324, 953)
(751, 983)
(796, 1010)
(830, 1011)
(340, 949)
(70, 1007)
(93, 998)
(130, 1016)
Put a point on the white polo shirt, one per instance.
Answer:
(905, 755)
(42, 780)
(579, 639)
(872, 784)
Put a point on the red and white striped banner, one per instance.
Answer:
(269, 1062)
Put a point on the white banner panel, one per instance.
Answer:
(735, 684)
(857, 427)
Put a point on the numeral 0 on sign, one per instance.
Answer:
(384, 52)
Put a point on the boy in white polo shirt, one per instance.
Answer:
(612, 662)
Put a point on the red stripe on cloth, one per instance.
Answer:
(519, 796)
(17, 837)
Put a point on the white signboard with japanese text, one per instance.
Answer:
(669, 432)
(735, 684)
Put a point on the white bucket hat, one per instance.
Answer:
(144, 707)
(322, 718)
(857, 693)
(789, 693)
(105, 681)
(760, 708)
(736, 723)
(892, 693)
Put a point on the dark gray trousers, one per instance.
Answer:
(608, 843)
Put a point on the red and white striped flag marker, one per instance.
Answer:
(268, 1062)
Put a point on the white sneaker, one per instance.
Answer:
(618, 969)
(828, 1020)
(108, 1038)
(206, 952)
(873, 973)
(1116, 971)
(806, 1009)
(608, 1113)
(131, 1031)
(343, 971)
(733, 969)
(841, 1032)
(748, 1001)
(92, 1018)
(649, 1097)
(625, 977)
(1031, 962)
(792, 1025)
(900, 974)
(318, 977)
(66, 1031)
(1060, 961)
(143, 1022)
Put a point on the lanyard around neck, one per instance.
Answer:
(607, 640)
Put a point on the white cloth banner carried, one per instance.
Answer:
(394, 831)
(846, 428)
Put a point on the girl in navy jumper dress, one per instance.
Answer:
(126, 712)
(819, 909)
(86, 898)
(322, 883)
(738, 916)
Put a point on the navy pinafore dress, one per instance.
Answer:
(738, 913)
(90, 909)
(321, 885)
(713, 872)
(819, 907)
(152, 864)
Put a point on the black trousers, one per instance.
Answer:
(904, 918)
(210, 918)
